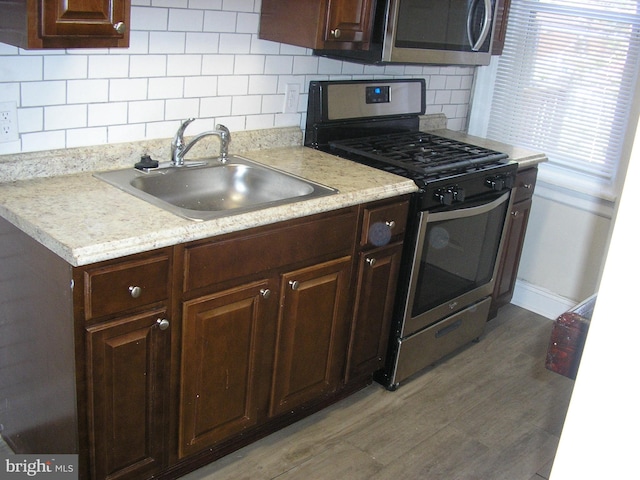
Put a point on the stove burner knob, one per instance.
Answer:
(459, 194)
(444, 196)
(495, 183)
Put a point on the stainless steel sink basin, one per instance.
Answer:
(215, 189)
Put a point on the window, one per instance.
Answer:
(565, 84)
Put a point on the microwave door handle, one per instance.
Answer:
(486, 25)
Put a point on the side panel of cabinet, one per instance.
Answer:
(312, 331)
(128, 370)
(376, 290)
(225, 364)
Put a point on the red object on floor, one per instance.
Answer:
(568, 337)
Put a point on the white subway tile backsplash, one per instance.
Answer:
(166, 87)
(217, 64)
(246, 105)
(218, 21)
(87, 91)
(233, 85)
(215, 107)
(184, 65)
(261, 84)
(178, 109)
(200, 86)
(129, 89)
(184, 20)
(202, 42)
(30, 119)
(248, 23)
(43, 93)
(84, 137)
(143, 18)
(65, 116)
(199, 58)
(53, 140)
(65, 66)
(113, 113)
(20, 68)
(167, 42)
(147, 66)
(236, 43)
(146, 111)
(108, 66)
(249, 64)
(238, 5)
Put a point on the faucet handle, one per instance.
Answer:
(178, 139)
(225, 139)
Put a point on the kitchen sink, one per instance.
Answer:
(215, 189)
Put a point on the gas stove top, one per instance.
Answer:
(421, 156)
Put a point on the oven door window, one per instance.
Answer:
(457, 252)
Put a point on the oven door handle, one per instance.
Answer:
(468, 212)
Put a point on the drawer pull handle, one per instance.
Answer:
(449, 328)
(135, 291)
(294, 284)
(162, 323)
(371, 261)
(265, 293)
(390, 224)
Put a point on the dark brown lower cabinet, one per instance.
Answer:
(517, 221)
(312, 334)
(226, 350)
(376, 288)
(127, 372)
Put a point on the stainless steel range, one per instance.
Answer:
(456, 222)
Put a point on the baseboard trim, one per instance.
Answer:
(540, 301)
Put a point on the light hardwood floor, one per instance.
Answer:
(490, 412)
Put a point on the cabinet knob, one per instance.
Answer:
(371, 261)
(390, 224)
(294, 284)
(335, 33)
(135, 291)
(515, 213)
(528, 186)
(265, 293)
(120, 27)
(162, 323)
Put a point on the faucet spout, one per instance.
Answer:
(179, 148)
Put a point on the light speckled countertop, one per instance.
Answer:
(53, 197)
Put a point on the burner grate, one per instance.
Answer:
(420, 153)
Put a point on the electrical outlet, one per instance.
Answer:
(8, 122)
(291, 95)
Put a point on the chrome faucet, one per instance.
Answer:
(179, 148)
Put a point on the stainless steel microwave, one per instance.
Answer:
(442, 32)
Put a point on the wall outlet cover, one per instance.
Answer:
(8, 122)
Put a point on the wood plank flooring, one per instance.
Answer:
(490, 412)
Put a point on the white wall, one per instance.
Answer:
(600, 435)
(199, 58)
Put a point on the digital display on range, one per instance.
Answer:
(379, 94)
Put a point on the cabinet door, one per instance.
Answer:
(108, 19)
(312, 333)
(128, 373)
(375, 296)
(349, 21)
(226, 340)
(510, 260)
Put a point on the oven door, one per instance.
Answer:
(455, 260)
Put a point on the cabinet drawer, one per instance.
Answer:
(384, 223)
(289, 243)
(525, 184)
(117, 287)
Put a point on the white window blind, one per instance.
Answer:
(565, 83)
